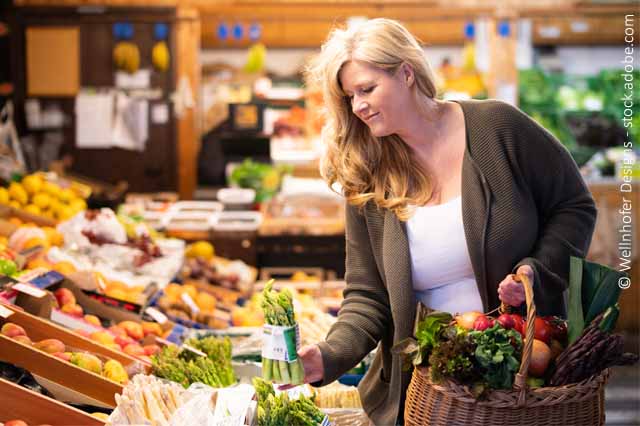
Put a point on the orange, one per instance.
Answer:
(65, 268)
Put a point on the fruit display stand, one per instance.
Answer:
(34, 408)
(7, 211)
(40, 329)
(61, 378)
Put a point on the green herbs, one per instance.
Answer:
(428, 331)
(278, 410)
(278, 311)
(453, 357)
(498, 353)
(185, 367)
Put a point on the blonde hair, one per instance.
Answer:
(367, 167)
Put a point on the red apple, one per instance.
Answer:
(134, 349)
(151, 349)
(540, 357)
(506, 321)
(64, 296)
(72, 309)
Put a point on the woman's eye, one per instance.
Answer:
(368, 89)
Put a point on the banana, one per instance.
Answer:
(160, 56)
(126, 56)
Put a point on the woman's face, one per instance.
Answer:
(377, 98)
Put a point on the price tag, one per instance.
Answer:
(158, 316)
(189, 301)
(31, 291)
(194, 350)
(5, 312)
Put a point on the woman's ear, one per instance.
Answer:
(408, 75)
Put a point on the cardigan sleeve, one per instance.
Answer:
(365, 313)
(566, 209)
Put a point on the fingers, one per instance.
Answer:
(285, 387)
(305, 350)
(510, 291)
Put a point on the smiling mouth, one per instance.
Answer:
(371, 116)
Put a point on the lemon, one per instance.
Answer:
(33, 209)
(32, 183)
(41, 200)
(200, 249)
(66, 195)
(18, 193)
(4, 195)
(78, 205)
(51, 189)
(64, 212)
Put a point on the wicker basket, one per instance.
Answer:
(449, 403)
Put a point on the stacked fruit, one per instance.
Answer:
(38, 196)
(111, 369)
(186, 302)
(127, 336)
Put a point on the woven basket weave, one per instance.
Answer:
(452, 404)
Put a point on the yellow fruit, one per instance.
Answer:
(190, 290)
(100, 416)
(113, 370)
(202, 249)
(33, 209)
(32, 183)
(66, 195)
(205, 302)
(38, 263)
(33, 242)
(117, 294)
(64, 213)
(51, 189)
(4, 195)
(18, 193)
(65, 268)
(271, 180)
(78, 205)
(16, 221)
(55, 238)
(42, 200)
(160, 56)
(49, 213)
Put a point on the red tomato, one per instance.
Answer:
(543, 331)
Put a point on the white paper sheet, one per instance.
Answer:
(94, 120)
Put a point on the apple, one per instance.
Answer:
(23, 339)
(64, 296)
(134, 349)
(72, 309)
(133, 329)
(15, 423)
(66, 356)
(540, 358)
(151, 349)
(92, 319)
(12, 330)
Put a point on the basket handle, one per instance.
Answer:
(521, 377)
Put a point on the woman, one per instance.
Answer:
(445, 201)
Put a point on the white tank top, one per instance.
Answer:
(443, 278)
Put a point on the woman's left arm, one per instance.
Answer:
(565, 207)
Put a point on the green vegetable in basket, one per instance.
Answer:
(498, 352)
(428, 331)
(593, 288)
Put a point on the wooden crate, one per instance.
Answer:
(39, 329)
(34, 408)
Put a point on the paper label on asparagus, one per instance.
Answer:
(294, 393)
(280, 343)
(232, 405)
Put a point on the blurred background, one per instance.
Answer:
(147, 102)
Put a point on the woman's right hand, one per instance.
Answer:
(312, 361)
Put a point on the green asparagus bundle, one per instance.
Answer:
(280, 361)
(219, 351)
(185, 368)
(278, 410)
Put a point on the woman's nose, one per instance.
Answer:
(360, 106)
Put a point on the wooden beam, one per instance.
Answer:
(187, 51)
